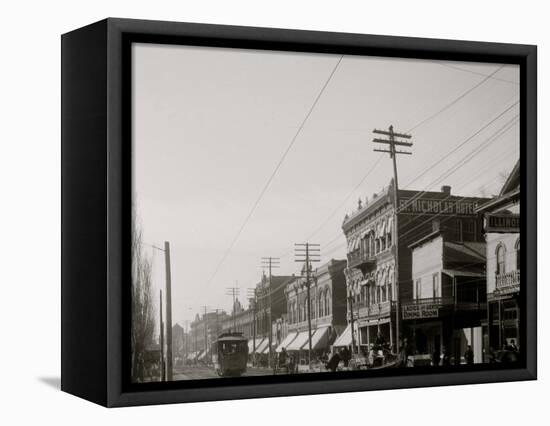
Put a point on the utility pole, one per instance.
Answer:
(234, 292)
(168, 275)
(161, 342)
(252, 294)
(353, 346)
(169, 359)
(392, 143)
(186, 342)
(308, 253)
(217, 325)
(205, 332)
(270, 262)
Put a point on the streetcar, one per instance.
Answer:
(230, 354)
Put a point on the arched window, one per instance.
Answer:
(518, 257)
(386, 285)
(320, 303)
(327, 302)
(501, 259)
(371, 244)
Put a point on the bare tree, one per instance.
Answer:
(143, 320)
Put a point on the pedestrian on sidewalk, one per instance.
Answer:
(469, 355)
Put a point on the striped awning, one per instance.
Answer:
(344, 339)
(298, 342)
(286, 341)
(262, 346)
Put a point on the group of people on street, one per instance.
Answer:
(380, 349)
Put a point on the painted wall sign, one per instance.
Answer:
(444, 207)
(495, 222)
(420, 311)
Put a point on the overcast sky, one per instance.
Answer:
(210, 126)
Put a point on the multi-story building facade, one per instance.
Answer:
(449, 299)
(328, 309)
(270, 305)
(371, 244)
(502, 226)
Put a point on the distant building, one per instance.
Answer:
(502, 233)
(241, 320)
(371, 236)
(328, 310)
(270, 306)
(205, 330)
(178, 340)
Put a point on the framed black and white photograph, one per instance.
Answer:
(252, 212)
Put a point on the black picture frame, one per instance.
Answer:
(96, 202)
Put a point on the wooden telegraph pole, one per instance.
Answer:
(233, 292)
(205, 332)
(270, 262)
(166, 251)
(161, 342)
(392, 143)
(308, 253)
(252, 295)
(169, 359)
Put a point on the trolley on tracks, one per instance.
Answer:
(230, 354)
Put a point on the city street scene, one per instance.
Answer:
(301, 213)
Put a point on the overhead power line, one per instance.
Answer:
(477, 73)
(450, 104)
(456, 148)
(270, 179)
(369, 172)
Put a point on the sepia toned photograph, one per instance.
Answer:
(297, 213)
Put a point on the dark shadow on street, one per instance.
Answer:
(54, 382)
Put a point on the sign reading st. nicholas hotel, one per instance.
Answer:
(438, 206)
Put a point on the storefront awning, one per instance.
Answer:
(286, 341)
(298, 342)
(260, 347)
(319, 340)
(201, 356)
(251, 344)
(344, 339)
(458, 273)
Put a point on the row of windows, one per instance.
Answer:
(373, 294)
(436, 288)
(369, 245)
(297, 312)
(501, 257)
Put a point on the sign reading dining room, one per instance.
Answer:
(420, 311)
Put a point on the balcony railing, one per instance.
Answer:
(358, 258)
(439, 301)
(381, 309)
(508, 282)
